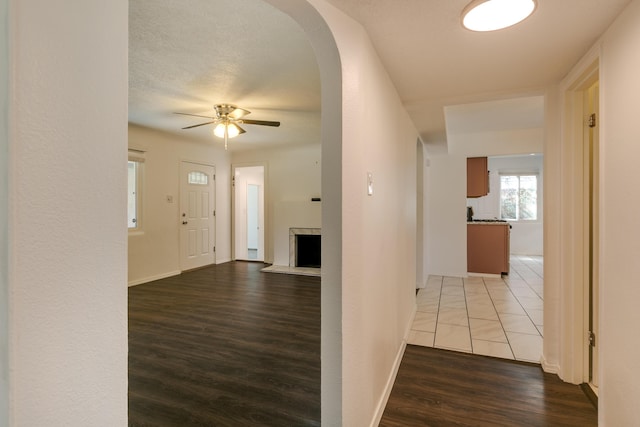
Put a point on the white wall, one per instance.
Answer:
(293, 177)
(4, 229)
(421, 216)
(155, 252)
(526, 236)
(378, 231)
(447, 215)
(620, 247)
(496, 143)
(67, 239)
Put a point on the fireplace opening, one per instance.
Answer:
(308, 250)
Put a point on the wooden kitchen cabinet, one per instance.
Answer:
(488, 247)
(477, 177)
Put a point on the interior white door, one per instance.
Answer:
(252, 220)
(197, 215)
(248, 212)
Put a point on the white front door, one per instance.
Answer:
(197, 215)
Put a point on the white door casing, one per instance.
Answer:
(592, 200)
(197, 215)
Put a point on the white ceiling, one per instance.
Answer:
(186, 55)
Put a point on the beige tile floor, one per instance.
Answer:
(499, 317)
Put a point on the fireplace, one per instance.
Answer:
(304, 247)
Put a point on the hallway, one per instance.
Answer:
(446, 388)
(498, 317)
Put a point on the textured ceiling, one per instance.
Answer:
(188, 55)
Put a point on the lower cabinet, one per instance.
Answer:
(488, 248)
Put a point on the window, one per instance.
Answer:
(519, 197)
(134, 189)
(198, 178)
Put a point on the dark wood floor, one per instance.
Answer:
(231, 346)
(444, 388)
(225, 346)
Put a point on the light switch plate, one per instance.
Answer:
(369, 184)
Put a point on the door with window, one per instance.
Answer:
(197, 215)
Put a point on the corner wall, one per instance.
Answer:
(620, 208)
(4, 208)
(368, 246)
(306, 13)
(67, 243)
(378, 230)
(565, 346)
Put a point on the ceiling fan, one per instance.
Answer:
(228, 119)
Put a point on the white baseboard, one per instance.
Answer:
(165, 275)
(382, 403)
(151, 279)
(549, 367)
(489, 275)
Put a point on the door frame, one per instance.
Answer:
(592, 228)
(265, 203)
(575, 241)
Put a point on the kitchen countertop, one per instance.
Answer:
(487, 223)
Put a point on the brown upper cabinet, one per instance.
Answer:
(477, 177)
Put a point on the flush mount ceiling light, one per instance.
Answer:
(491, 15)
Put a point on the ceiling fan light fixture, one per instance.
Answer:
(232, 130)
(491, 15)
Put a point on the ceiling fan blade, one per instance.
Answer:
(196, 115)
(201, 124)
(240, 129)
(239, 113)
(260, 122)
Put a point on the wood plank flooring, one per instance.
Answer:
(225, 346)
(230, 346)
(443, 388)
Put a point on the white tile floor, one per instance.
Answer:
(499, 317)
